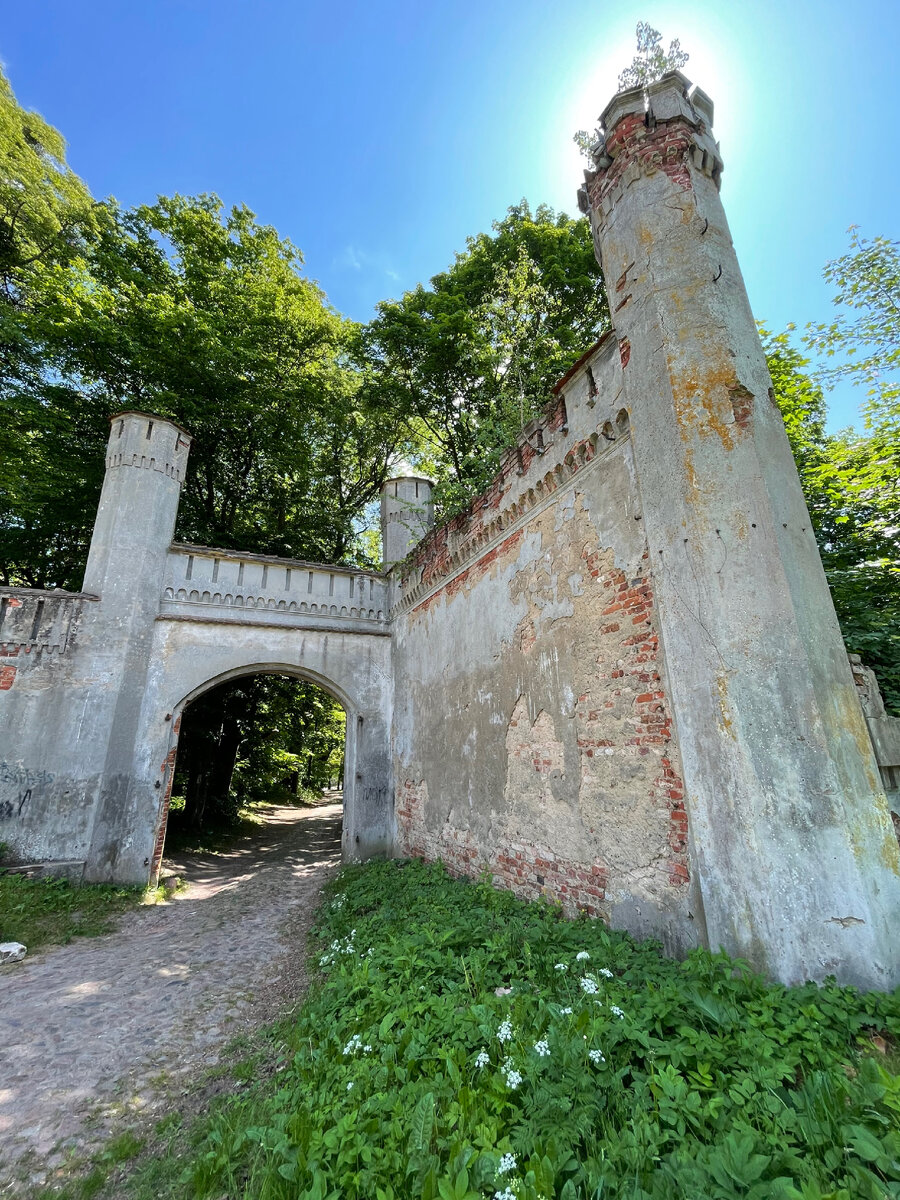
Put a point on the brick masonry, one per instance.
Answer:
(570, 763)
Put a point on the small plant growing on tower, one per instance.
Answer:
(649, 64)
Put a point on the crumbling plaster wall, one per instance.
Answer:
(532, 732)
(56, 708)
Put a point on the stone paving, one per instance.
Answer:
(112, 1023)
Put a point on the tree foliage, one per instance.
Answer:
(649, 64)
(203, 316)
(462, 364)
(864, 336)
(651, 61)
(189, 311)
(260, 738)
(47, 221)
(851, 492)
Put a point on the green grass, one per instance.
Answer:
(40, 912)
(406, 1074)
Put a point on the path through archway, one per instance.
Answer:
(247, 746)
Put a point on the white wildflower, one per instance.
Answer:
(605, 972)
(367, 1049)
(616, 1011)
(595, 1056)
(561, 967)
(353, 1045)
(349, 1085)
(582, 956)
(504, 1033)
(507, 1164)
(589, 986)
(506, 1194)
(483, 1059)
(566, 1011)
(513, 1079)
(542, 1049)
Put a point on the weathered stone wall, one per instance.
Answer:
(794, 849)
(532, 731)
(884, 731)
(620, 677)
(47, 793)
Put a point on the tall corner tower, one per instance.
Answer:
(791, 836)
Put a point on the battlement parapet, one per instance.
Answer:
(584, 418)
(37, 621)
(208, 584)
(148, 443)
(665, 127)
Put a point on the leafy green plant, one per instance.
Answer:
(460, 1043)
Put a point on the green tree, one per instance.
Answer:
(851, 492)
(202, 316)
(862, 345)
(463, 364)
(649, 64)
(864, 336)
(257, 739)
(47, 222)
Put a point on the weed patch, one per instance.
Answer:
(461, 1044)
(38, 912)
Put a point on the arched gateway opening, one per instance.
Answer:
(258, 747)
(349, 723)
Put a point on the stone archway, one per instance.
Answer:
(279, 670)
(189, 656)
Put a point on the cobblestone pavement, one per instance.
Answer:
(109, 1024)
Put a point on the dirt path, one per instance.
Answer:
(110, 1023)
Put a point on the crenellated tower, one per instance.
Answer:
(407, 513)
(146, 460)
(791, 836)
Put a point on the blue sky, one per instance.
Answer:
(378, 136)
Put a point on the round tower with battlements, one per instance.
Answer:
(407, 513)
(146, 459)
(791, 837)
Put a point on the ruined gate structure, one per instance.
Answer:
(617, 680)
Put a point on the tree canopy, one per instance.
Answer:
(188, 311)
(851, 492)
(464, 363)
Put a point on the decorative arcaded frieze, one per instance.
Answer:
(145, 462)
(491, 533)
(253, 603)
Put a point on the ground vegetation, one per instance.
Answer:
(43, 912)
(460, 1044)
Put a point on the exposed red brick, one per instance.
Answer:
(665, 146)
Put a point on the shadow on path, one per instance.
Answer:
(95, 1023)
